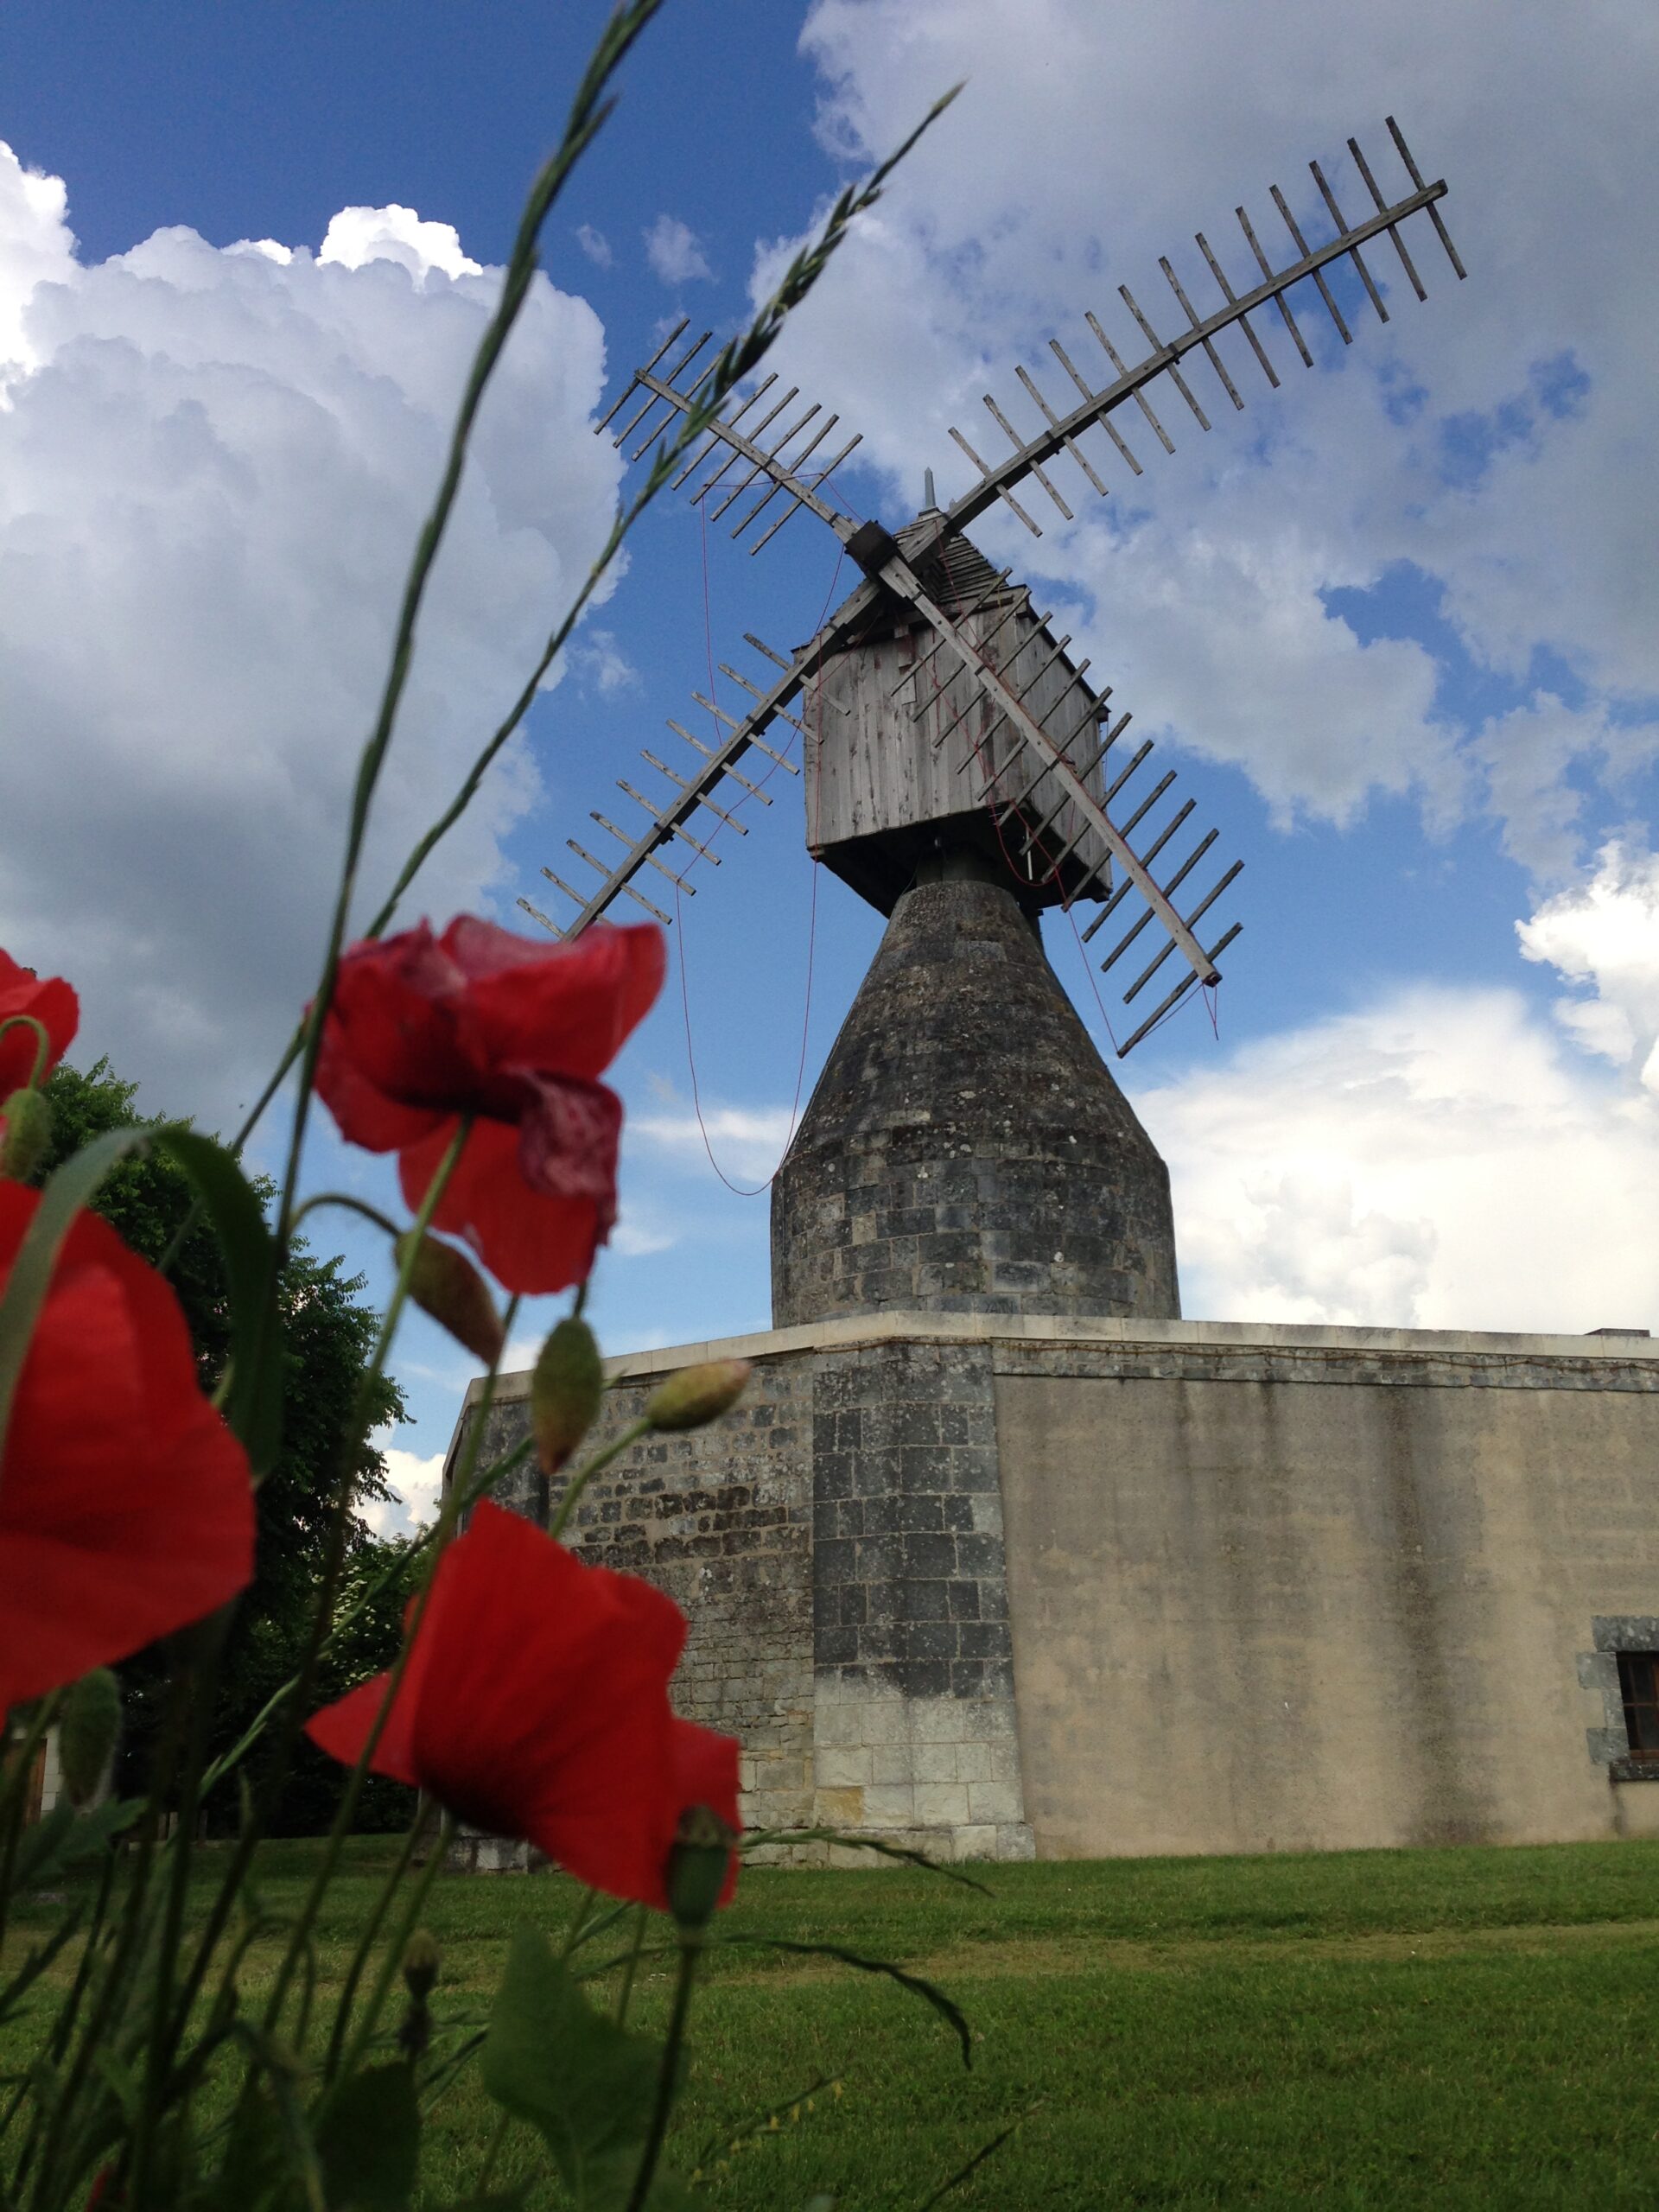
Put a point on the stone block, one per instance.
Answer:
(892, 1805)
(943, 1761)
(841, 1766)
(973, 1762)
(999, 1802)
(941, 1720)
(839, 1809)
(942, 1804)
(975, 1841)
(891, 1764)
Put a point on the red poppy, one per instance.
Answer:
(422, 1030)
(535, 1704)
(126, 1508)
(53, 1005)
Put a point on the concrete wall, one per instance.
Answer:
(1092, 1587)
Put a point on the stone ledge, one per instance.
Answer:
(858, 1331)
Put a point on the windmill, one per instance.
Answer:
(948, 740)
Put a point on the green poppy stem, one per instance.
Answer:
(668, 2076)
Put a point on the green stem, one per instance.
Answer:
(366, 1943)
(588, 114)
(389, 1966)
(493, 2151)
(354, 1790)
(668, 2074)
(42, 1043)
(580, 1480)
(14, 1797)
(625, 1994)
(350, 1205)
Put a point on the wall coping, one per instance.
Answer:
(849, 1331)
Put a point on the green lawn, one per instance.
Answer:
(1451, 2028)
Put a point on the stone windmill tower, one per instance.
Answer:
(978, 1409)
(966, 1149)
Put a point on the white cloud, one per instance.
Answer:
(1500, 438)
(36, 247)
(1439, 1158)
(212, 469)
(415, 1483)
(600, 661)
(675, 251)
(748, 1141)
(359, 235)
(594, 244)
(1604, 931)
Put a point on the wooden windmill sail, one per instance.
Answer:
(942, 701)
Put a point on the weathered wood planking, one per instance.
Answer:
(879, 767)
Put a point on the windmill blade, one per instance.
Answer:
(743, 445)
(1061, 432)
(694, 786)
(1064, 779)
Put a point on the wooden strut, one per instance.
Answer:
(901, 578)
(1058, 432)
(803, 495)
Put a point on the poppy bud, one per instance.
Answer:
(698, 1395)
(444, 1283)
(421, 1964)
(26, 1136)
(697, 1865)
(565, 1392)
(87, 1728)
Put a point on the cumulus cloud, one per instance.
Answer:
(594, 244)
(1439, 1158)
(415, 1483)
(212, 468)
(1495, 443)
(1604, 931)
(748, 1141)
(397, 234)
(675, 251)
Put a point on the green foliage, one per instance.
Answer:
(586, 2084)
(327, 1336)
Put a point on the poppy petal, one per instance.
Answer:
(566, 1009)
(530, 1242)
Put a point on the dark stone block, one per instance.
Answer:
(833, 1647)
(979, 1555)
(986, 1640)
(927, 1677)
(837, 1560)
(934, 1557)
(964, 1598)
(931, 1639)
(926, 1601)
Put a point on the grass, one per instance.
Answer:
(1455, 2027)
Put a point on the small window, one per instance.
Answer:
(1638, 1680)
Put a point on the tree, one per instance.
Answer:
(328, 1335)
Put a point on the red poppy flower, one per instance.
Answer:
(422, 1030)
(126, 1508)
(53, 1005)
(535, 1704)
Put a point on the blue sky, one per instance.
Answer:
(1393, 625)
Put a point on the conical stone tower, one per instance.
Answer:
(965, 1150)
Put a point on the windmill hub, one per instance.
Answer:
(966, 1150)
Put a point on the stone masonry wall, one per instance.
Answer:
(721, 1519)
(914, 1730)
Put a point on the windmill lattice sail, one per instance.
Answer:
(1063, 429)
(993, 728)
(744, 442)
